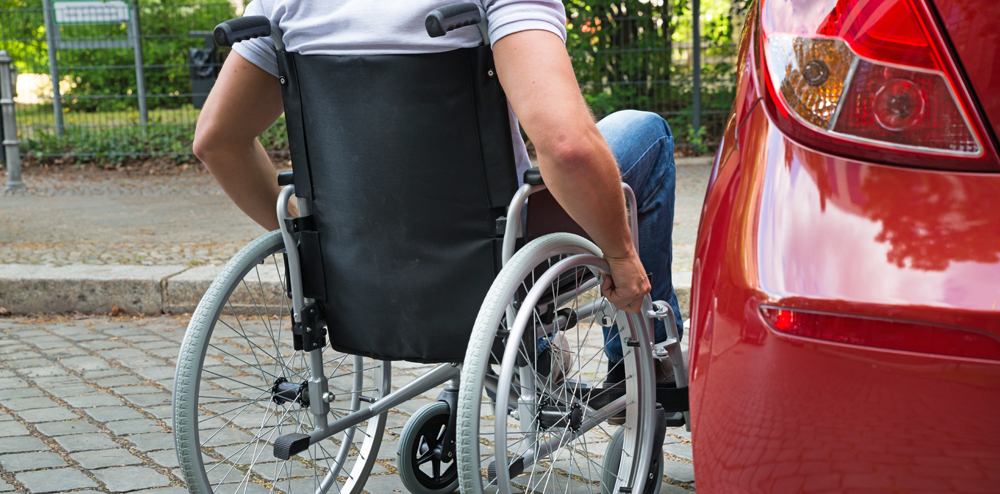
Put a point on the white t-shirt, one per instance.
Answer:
(380, 27)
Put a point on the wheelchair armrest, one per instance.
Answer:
(533, 177)
(284, 178)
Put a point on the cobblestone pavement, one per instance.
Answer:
(85, 406)
(105, 217)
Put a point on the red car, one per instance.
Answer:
(846, 290)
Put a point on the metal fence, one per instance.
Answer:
(132, 76)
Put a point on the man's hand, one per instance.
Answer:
(627, 283)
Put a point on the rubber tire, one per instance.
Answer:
(405, 461)
(481, 341)
(192, 354)
(613, 457)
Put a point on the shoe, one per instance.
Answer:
(616, 379)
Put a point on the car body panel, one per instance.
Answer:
(788, 226)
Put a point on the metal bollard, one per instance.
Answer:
(10, 142)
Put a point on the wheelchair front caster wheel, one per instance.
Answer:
(425, 465)
(613, 457)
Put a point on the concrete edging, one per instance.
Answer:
(94, 289)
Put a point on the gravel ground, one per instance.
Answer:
(93, 216)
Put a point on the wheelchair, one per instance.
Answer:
(283, 381)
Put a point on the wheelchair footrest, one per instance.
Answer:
(290, 445)
(668, 395)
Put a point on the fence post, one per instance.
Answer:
(51, 41)
(10, 142)
(135, 32)
(696, 59)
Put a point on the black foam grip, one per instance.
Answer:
(533, 176)
(285, 178)
(241, 29)
(449, 17)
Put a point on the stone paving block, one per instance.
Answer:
(19, 404)
(93, 400)
(681, 472)
(66, 428)
(155, 344)
(17, 393)
(30, 461)
(165, 490)
(108, 414)
(134, 426)
(86, 442)
(98, 374)
(12, 382)
(112, 382)
(40, 415)
(159, 372)
(124, 479)
(387, 450)
(50, 382)
(4, 373)
(75, 390)
(165, 458)
(105, 458)
(59, 480)
(85, 337)
(384, 484)
(162, 412)
(47, 371)
(22, 362)
(122, 354)
(153, 441)
(13, 429)
(137, 390)
(5, 487)
(679, 450)
(50, 343)
(66, 352)
(146, 400)
(88, 363)
(102, 344)
(166, 353)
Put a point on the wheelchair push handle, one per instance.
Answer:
(450, 17)
(241, 29)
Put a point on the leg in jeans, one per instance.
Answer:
(644, 148)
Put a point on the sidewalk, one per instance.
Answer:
(85, 241)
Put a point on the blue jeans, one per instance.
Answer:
(644, 149)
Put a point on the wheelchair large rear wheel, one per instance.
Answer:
(240, 385)
(551, 431)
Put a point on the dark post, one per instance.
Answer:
(10, 142)
(696, 62)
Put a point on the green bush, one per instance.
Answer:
(111, 72)
(117, 144)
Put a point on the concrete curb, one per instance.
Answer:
(94, 289)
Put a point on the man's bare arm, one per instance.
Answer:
(245, 101)
(573, 157)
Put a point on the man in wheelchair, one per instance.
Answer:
(583, 165)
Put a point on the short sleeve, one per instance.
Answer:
(511, 16)
(258, 51)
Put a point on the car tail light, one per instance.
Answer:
(869, 79)
(883, 333)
